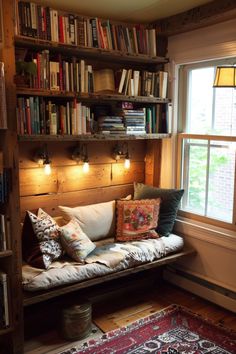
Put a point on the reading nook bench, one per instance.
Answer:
(78, 249)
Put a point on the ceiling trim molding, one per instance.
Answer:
(198, 17)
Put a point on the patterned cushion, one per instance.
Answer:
(170, 200)
(75, 242)
(40, 239)
(96, 220)
(137, 219)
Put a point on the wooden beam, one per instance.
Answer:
(209, 14)
(50, 202)
(153, 163)
(11, 157)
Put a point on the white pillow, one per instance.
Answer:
(74, 241)
(96, 220)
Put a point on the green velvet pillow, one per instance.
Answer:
(170, 199)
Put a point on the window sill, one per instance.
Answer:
(205, 232)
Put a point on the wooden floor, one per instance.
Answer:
(118, 312)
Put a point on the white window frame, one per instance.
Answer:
(181, 135)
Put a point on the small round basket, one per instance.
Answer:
(76, 321)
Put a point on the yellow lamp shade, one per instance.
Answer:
(225, 76)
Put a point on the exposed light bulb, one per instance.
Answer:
(47, 169)
(86, 167)
(127, 163)
(40, 161)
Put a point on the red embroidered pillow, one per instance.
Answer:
(137, 219)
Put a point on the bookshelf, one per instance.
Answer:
(16, 143)
(67, 52)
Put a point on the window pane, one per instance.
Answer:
(194, 175)
(225, 111)
(210, 110)
(221, 181)
(208, 178)
(200, 98)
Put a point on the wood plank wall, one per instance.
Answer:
(68, 185)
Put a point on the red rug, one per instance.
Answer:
(175, 330)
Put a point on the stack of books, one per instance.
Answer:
(111, 125)
(135, 121)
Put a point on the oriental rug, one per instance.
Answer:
(174, 330)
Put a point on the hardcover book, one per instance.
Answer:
(4, 310)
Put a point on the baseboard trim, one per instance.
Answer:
(190, 285)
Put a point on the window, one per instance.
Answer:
(208, 145)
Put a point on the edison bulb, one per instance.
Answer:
(47, 169)
(127, 163)
(86, 167)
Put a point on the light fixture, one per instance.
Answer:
(42, 158)
(80, 153)
(122, 152)
(225, 76)
(47, 166)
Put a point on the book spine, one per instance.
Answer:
(48, 24)
(71, 22)
(4, 310)
(94, 29)
(3, 238)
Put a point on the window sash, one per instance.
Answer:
(208, 139)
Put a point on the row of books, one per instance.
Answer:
(37, 115)
(159, 119)
(143, 83)
(4, 307)
(145, 120)
(61, 75)
(37, 21)
(74, 76)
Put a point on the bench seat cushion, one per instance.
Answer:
(115, 257)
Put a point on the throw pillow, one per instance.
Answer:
(40, 239)
(170, 200)
(137, 219)
(96, 220)
(75, 242)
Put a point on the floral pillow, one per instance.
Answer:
(137, 219)
(75, 242)
(40, 239)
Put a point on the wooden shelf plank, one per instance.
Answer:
(93, 137)
(90, 96)
(6, 253)
(40, 92)
(102, 54)
(5, 330)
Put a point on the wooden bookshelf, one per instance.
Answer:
(90, 97)
(92, 137)
(108, 179)
(95, 53)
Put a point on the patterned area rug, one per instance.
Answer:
(175, 330)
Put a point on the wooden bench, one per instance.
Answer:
(40, 296)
